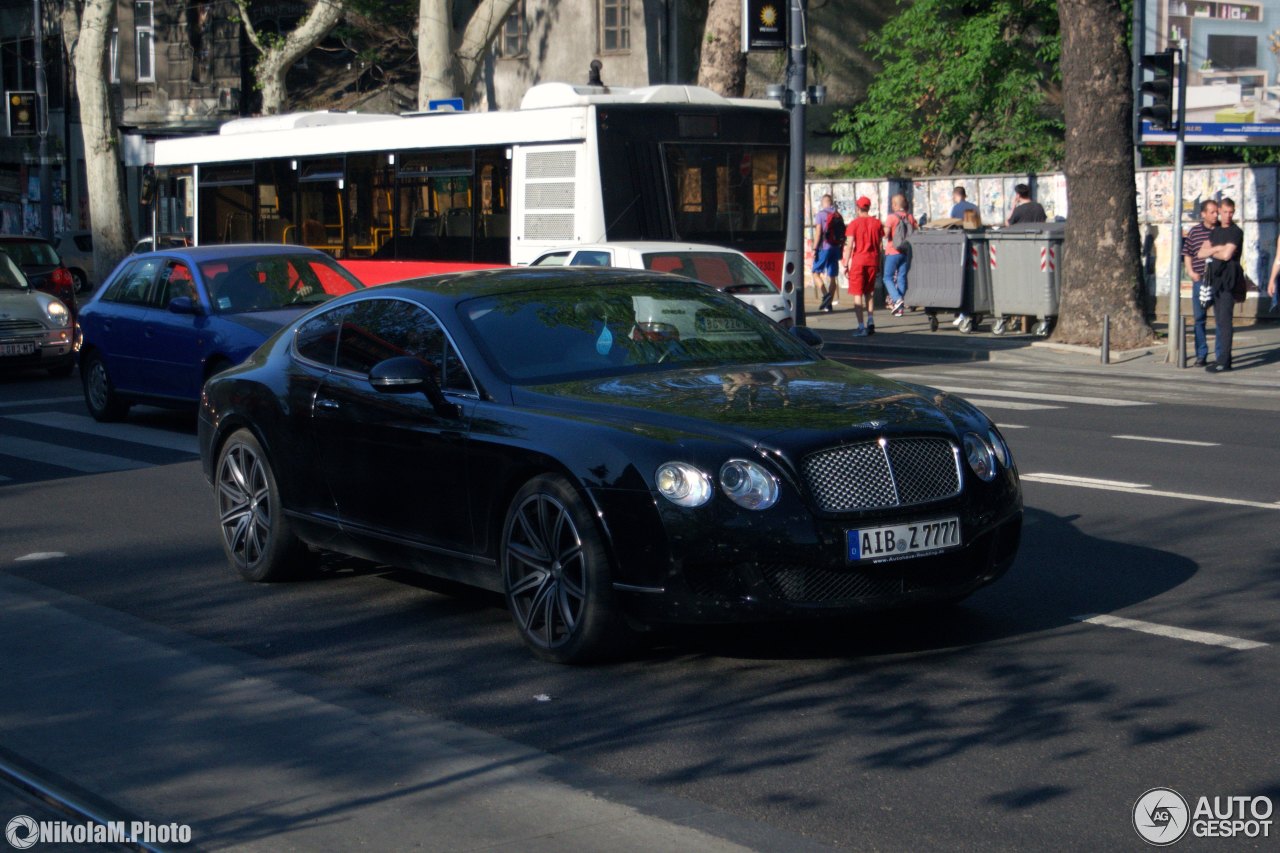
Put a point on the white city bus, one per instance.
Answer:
(457, 189)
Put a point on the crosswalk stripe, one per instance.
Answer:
(43, 401)
(83, 461)
(1035, 395)
(1015, 405)
(131, 433)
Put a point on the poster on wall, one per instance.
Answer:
(1232, 53)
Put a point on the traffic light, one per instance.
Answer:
(1164, 68)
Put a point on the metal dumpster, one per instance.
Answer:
(1025, 264)
(950, 272)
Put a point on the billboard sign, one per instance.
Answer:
(1232, 52)
(22, 113)
(764, 25)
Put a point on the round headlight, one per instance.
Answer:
(748, 485)
(981, 460)
(58, 313)
(683, 484)
(1003, 456)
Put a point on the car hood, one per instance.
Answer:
(265, 323)
(754, 404)
(24, 305)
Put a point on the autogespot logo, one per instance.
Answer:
(1160, 816)
(22, 832)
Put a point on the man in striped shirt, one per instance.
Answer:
(1197, 237)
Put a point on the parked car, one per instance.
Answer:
(76, 250)
(163, 322)
(36, 329)
(724, 269)
(515, 429)
(44, 270)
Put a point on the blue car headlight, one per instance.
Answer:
(683, 484)
(748, 484)
(980, 456)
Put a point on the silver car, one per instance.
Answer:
(76, 250)
(36, 329)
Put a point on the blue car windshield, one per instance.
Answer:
(560, 333)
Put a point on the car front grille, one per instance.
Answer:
(882, 474)
(19, 325)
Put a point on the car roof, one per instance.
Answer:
(457, 287)
(642, 246)
(22, 238)
(227, 251)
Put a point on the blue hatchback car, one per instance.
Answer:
(166, 321)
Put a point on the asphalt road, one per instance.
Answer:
(1009, 722)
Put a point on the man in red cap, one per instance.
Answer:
(862, 263)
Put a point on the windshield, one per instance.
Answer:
(11, 278)
(267, 282)
(33, 254)
(562, 333)
(727, 271)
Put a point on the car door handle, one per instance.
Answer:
(328, 405)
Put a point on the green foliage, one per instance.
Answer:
(963, 89)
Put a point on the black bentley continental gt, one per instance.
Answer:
(608, 449)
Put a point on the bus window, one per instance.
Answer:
(320, 214)
(227, 203)
(175, 201)
(434, 212)
(277, 186)
(493, 236)
(368, 200)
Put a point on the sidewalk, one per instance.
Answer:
(139, 722)
(1255, 356)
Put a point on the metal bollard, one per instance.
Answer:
(1182, 340)
(1106, 338)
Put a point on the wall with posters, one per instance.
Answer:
(1254, 189)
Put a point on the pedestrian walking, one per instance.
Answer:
(899, 227)
(828, 241)
(861, 262)
(1271, 285)
(962, 203)
(1223, 276)
(1024, 209)
(1195, 240)
(969, 221)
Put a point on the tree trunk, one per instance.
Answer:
(448, 73)
(279, 55)
(722, 66)
(1101, 271)
(85, 35)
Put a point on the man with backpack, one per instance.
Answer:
(897, 254)
(828, 243)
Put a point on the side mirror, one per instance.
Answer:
(184, 305)
(405, 374)
(808, 336)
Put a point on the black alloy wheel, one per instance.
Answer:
(256, 535)
(557, 576)
(100, 395)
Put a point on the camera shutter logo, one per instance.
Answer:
(1161, 816)
(22, 832)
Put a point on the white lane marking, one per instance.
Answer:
(1140, 489)
(1009, 404)
(1036, 395)
(43, 401)
(1187, 634)
(65, 457)
(1013, 426)
(40, 555)
(1168, 440)
(131, 433)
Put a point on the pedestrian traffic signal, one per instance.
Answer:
(1163, 67)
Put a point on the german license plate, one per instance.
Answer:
(903, 540)
(19, 348)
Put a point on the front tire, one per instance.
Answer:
(557, 576)
(256, 536)
(100, 395)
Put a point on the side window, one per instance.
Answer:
(175, 281)
(552, 259)
(317, 339)
(378, 329)
(591, 258)
(134, 284)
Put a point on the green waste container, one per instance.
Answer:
(1025, 262)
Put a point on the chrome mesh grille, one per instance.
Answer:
(903, 472)
(20, 326)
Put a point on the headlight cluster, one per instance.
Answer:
(746, 483)
(985, 454)
(58, 313)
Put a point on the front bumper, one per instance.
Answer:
(49, 348)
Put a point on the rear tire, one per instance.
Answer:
(256, 535)
(557, 576)
(79, 281)
(100, 395)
